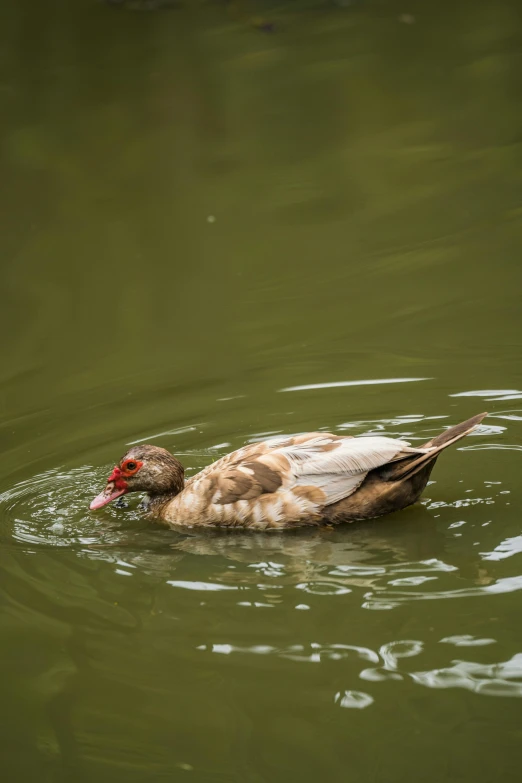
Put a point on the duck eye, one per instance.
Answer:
(130, 466)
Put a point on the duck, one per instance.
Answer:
(313, 479)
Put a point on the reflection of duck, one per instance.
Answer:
(311, 479)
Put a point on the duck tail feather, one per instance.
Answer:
(453, 434)
(408, 467)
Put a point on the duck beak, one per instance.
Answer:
(109, 494)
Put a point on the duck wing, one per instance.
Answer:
(337, 466)
(319, 466)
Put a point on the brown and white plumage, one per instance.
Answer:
(272, 484)
(303, 480)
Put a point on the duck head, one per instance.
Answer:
(144, 468)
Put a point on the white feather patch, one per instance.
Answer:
(339, 471)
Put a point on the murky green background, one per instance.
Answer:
(198, 221)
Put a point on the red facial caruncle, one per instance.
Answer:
(117, 479)
(116, 483)
(129, 468)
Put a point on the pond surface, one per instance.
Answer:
(213, 232)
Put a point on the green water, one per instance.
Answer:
(199, 221)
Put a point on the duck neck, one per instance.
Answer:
(157, 502)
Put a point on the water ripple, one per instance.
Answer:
(498, 679)
(493, 395)
(353, 700)
(503, 678)
(336, 384)
(52, 509)
(507, 548)
(389, 599)
(493, 447)
(466, 640)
